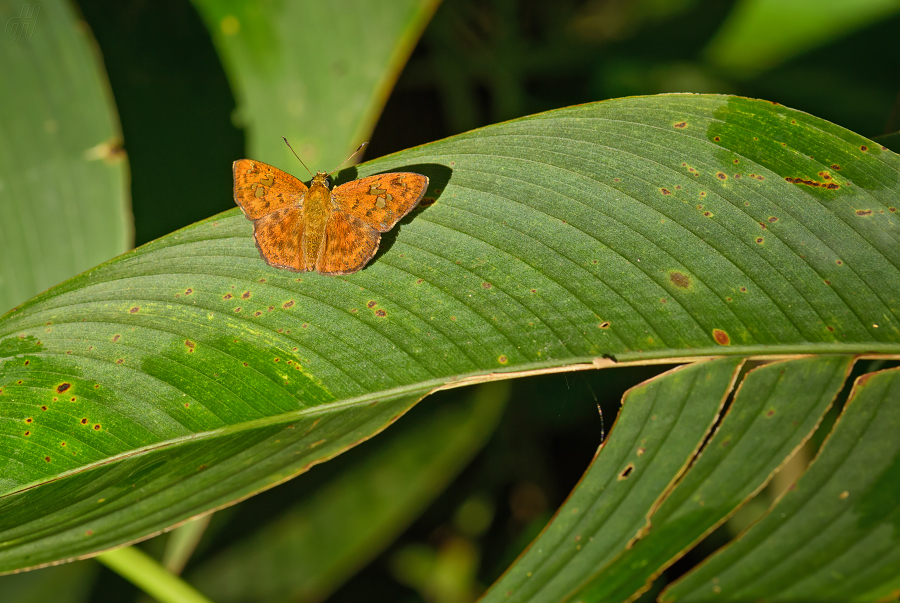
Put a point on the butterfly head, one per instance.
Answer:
(321, 178)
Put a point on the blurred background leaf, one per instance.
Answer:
(761, 34)
(63, 175)
(318, 73)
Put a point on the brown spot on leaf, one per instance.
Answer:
(135, 310)
(502, 359)
(863, 148)
(721, 337)
(288, 304)
(63, 387)
(371, 304)
(188, 291)
(486, 285)
(189, 345)
(116, 338)
(681, 124)
(680, 279)
(381, 313)
(84, 421)
(245, 295)
(227, 296)
(759, 239)
(665, 191)
(603, 325)
(29, 420)
(863, 212)
(97, 427)
(813, 183)
(721, 176)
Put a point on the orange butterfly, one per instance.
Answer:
(330, 231)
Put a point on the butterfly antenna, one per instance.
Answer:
(349, 158)
(298, 156)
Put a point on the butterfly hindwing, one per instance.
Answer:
(261, 189)
(279, 238)
(349, 244)
(381, 200)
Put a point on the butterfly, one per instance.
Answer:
(330, 231)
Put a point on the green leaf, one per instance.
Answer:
(348, 521)
(187, 374)
(63, 175)
(760, 34)
(833, 536)
(306, 71)
(774, 412)
(661, 426)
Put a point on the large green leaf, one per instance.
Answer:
(188, 374)
(306, 71)
(63, 175)
(833, 536)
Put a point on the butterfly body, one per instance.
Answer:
(317, 208)
(330, 231)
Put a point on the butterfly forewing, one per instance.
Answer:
(261, 189)
(381, 200)
(349, 244)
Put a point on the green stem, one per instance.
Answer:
(147, 574)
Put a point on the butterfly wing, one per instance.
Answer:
(261, 189)
(279, 238)
(349, 244)
(381, 200)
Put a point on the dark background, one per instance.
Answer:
(479, 62)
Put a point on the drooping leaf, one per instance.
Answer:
(184, 376)
(776, 409)
(63, 176)
(833, 536)
(661, 426)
